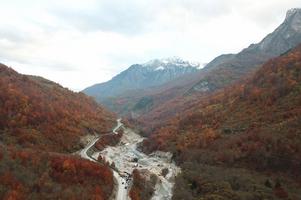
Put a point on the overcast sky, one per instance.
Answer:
(81, 42)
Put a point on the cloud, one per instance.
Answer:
(125, 17)
(134, 17)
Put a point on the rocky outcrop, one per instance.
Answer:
(228, 68)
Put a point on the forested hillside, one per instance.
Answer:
(35, 174)
(242, 141)
(38, 113)
(40, 120)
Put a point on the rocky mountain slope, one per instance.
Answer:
(228, 68)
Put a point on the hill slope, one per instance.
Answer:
(39, 121)
(37, 112)
(247, 135)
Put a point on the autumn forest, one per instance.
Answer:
(166, 129)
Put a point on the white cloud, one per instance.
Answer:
(78, 43)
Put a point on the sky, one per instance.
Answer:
(78, 43)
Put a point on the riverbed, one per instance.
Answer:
(126, 158)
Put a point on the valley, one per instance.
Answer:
(162, 129)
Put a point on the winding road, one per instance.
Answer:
(121, 192)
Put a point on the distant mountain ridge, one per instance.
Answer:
(222, 71)
(226, 70)
(142, 76)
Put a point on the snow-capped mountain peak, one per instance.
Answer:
(164, 63)
(159, 68)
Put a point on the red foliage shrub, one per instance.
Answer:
(141, 189)
(72, 170)
(280, 193)
(108, 140)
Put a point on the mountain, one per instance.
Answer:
(141, 76)
(41, 124)
(222, 71)
(284, 38)
(242, 142)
